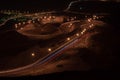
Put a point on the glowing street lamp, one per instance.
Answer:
(77, 34)
(33, 54)
(68, 38)
(94, 16)
(90, 19)
(91, 25)
(33, 21)
(68, 19)
(19, 24)
(45, 17)
(21, 28)
(23, 22)
(85, 16)
(29, 21)
(83, 31)
(53, 17)
(38, 19)
(50, 17)
(49, 49)
(16, 26)
(70, 24)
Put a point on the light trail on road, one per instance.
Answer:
(43, 60)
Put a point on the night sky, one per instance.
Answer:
(37, 4)
(34, 4)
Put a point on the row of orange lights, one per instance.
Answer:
(33, 54)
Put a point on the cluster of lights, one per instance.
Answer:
(17, 25)
(48, 17)
(32, 21)
(95, 17)
(23, 23)
(84, 30)
(89, 20)
(71, 19)
(70, 25)
(91, 25)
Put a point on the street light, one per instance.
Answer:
(45, 17)
(23, 22)
(33, 21)
(33, 54)
(75, 17)
(72, 19)
(83, 31)
(53, 17)
(68, 19)
(68, 38)
(16, 26)
(94, 16)
(70, 24)
(19, 24)
(21, 28)
(38, 19)
(49, 49)
(85, 16)
(50, 17)
(29, 21)
(77, 34)
(91, 25)
(90, 19)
